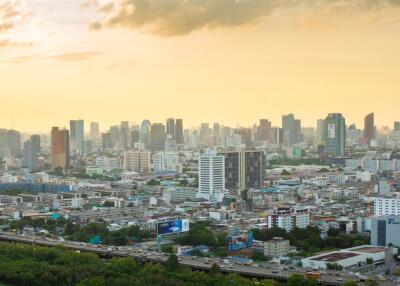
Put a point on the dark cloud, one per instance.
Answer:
(177, 17)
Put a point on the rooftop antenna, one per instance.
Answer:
(12, 120)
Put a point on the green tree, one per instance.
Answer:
(350, 283)
(371, 282)
(215, 269)
(369, 261)
(94, 281)
(172, 263)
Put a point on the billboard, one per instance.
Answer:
(173, 227)
(239, 241)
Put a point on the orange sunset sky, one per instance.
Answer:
(227, 61)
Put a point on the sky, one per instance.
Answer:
(227, 61)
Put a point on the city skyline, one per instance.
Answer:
(233, 63)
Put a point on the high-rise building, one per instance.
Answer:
(244, 169)
(115, 135)
(179, 132)
(14, 142)
(291, 129)
(277, 134)
(264, 131)
(145, 133)
(335, 134)
(77, 136)
(211, 176)
(31, 152)
(245, 134)
(135, 134)
(4, 150)
(204, 132)
(170, 128)
(320, 130)
(94, 131)
(157, 137)
(137, 161)
(59, 148)
(124, 141)
(369, 128)
(217, 134)
(106, 140)
(396, 126)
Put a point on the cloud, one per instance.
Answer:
(74, 57)
(64, 57)
(95, 26)
(11, 43)
(179, 17)
(11, 12)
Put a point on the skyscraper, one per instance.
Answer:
(244, 169)
(335, 134)
(31, 152)
(320, 130)
(106, 140)
(369, 128)
(115, 135)
(124, 141)
(14, 142)
(94, 131)
(171, 128)
(179, 132)
(145, 133)
(157, 137)
(77, 136)
(211, 176)
(217, 133)
(264, 132)
(245, 134)
(134, 137)
(59, 148)
(396, 126)
(291, 129)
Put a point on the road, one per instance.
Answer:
(277, 272)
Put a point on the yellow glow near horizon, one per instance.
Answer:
(308, 64)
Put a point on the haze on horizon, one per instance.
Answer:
(227, 61)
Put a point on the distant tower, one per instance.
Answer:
(369, 128)
(59, 148)
(335, 134)
(77, 136)
(179, 132)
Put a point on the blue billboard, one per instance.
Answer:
(173, 227)
(239, 241)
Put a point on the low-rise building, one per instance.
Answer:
(276, 247)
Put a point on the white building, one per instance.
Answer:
(211, 176)
(385, 206)
(167, 161)
(289, 218)
(347, 258)
(137, 161)
(107, 163)
(178, 194)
